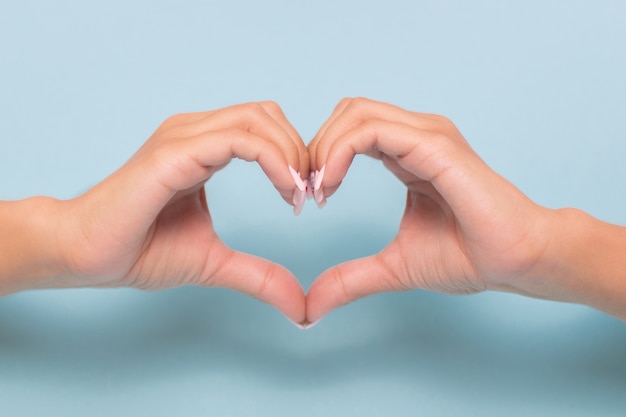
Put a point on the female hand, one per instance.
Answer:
(148, 225)
(465, 229)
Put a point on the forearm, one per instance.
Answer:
(584, 262)
(30, 244)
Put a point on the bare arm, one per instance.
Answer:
(585, 262)
(29, 245)
(465, 228)
(148, 225)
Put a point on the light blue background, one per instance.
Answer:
(537, 87)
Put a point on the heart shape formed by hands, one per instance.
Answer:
(461, 230)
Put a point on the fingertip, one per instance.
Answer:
(299, 197)
(286, 296)
(321, 201)
(310, 325)
(321, 299)
(345, 283)
(332, 289)
(297, 179)
(319, 177)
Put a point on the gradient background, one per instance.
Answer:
(537, 87)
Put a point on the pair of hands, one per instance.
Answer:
(465, 228)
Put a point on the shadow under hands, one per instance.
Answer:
(466, 347)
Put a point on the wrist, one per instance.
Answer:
(548, 277)
(582, 263)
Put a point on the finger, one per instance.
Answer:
(251, 117)
(433, 158)
(261, 279)
(148, 183)
(278, 115)
(216, 149)
(182, 118)
(360, 110)
(349, 115)
(312, 147)
(348, 282)
(424, 154)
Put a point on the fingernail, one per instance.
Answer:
(320, 199)
(298, 201)
(319, 175)
(296, 178)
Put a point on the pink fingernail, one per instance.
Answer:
(319, 196)
(296, 178)
(320, 199)
(298, 201)
(319, 175)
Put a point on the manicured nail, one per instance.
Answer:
(296, 178)
(319, 175)
(319, 196)
(318, 191)
(298, 201)
(320, 199)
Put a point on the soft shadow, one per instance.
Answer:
(414, 338)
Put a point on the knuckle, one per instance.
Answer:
(344, 104)
(249, 114)
(271, 106)
(372, 124)
(250, 110)
(358, 103)
(172, 121)
(360, 100)
(445, 124)
(391, 280)
(214, 274)
(266, 281)
(254, 108)
(373, 127)
(344, 101)
(340, 283)
(441, 119)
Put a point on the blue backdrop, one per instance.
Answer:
(537, 87)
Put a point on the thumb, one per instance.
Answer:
(264, 280)
(348, 282)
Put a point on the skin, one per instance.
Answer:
(465, 228)
(148, 225)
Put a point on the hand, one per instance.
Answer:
(465, 228)
(148, 225)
